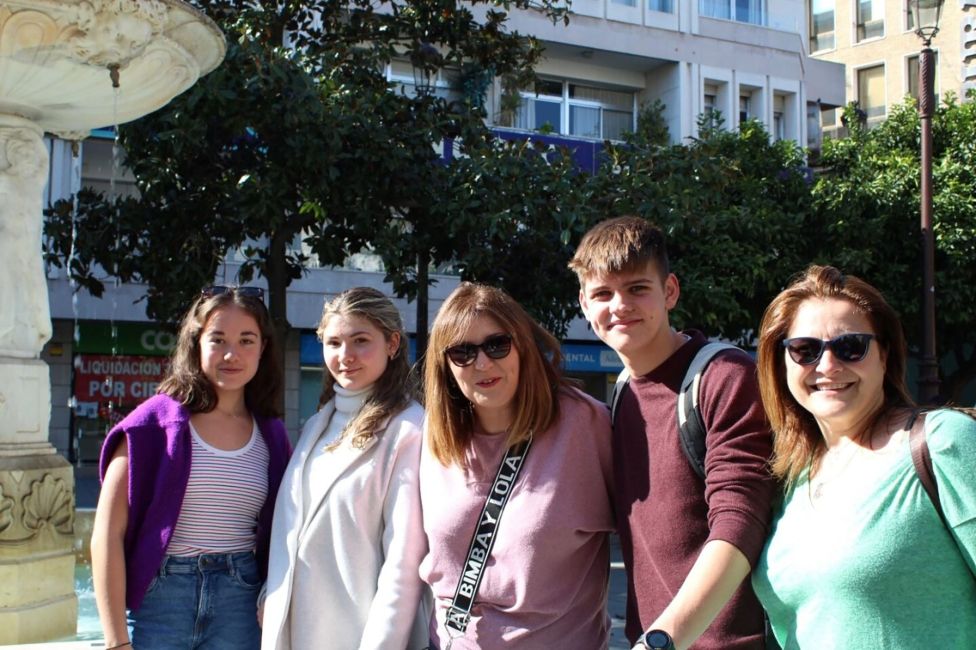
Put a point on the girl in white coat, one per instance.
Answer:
(347, 537)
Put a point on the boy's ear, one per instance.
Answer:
(672, 290)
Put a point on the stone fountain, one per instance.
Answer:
(66, 67)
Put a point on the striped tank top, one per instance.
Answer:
(224, 495)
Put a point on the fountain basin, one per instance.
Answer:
(55, 59)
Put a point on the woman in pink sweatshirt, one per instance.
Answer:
(515, 484)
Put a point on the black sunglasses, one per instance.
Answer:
(220, 289)
(806, 350)
(495, 347)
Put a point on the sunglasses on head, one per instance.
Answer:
(495, 347)
(219, 289)
(806, 350)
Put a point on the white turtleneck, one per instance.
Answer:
(319, 472)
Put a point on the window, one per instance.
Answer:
(871, 92)
(913, 78)
(576, 109)
(821, 25)
(743, 11)
(744, 104)
(909, 17)
(664, 6)
(870, 19)
(442, 84)
(829, 118)
(626, 3)
(779, 117)
(542, 110)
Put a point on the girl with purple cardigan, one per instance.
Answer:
(189, 480)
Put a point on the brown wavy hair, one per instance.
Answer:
(798, 444)
(620, 244)
(395, 388)
(185, 381)
(450, 419)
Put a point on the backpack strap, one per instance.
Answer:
(618, 388)
(691, 425)
(922, 460)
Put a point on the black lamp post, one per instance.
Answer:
(926, 14)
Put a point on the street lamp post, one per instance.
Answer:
(926, 14)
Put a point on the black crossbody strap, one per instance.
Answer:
(922, 460)
(473, 570)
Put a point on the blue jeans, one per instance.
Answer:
(207, 602)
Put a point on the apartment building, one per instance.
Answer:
(742, 58)
(876, 41)
(746, 59)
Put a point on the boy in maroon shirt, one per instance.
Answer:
(688, 544)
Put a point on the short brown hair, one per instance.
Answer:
(798, 444)
(395, 388)
(450, 421)
(620, 244)
(185, 381)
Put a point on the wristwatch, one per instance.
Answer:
(657, 640)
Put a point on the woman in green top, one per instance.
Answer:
(858, 557)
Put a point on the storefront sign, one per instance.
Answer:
(590, 357)
(122, 379)
(124, 338)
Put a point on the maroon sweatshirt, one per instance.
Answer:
(666, 513)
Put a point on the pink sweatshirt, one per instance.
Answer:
(545, 584)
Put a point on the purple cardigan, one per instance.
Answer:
(158, 435)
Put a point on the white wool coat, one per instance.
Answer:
(347, 573)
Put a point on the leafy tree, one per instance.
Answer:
(518, 209)
(734, 206)
(869, 198)
(298, 136)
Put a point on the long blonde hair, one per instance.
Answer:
(395, 388)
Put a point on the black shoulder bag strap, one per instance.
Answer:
(922, 460)
(459, 613)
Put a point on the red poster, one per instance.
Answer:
(120, 380)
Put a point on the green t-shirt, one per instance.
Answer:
(878, 570)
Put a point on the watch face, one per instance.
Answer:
(658, 640)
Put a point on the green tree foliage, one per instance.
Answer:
(297, 136)
(732, 205)
(869, 197)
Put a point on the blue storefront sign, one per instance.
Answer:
(590, 357)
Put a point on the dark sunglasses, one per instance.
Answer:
(494, 347)
(219, 289)
(806, 350)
